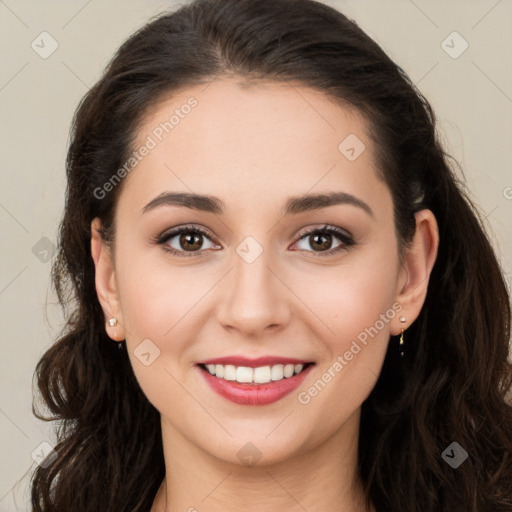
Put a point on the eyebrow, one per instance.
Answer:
(294, 205)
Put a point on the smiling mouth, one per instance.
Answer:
(257, 375)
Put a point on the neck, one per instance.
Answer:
(312, 480)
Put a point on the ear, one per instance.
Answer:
(105, 279)
(419, 260)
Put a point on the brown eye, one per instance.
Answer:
(322, 241)
(191, 241)
(186, 241)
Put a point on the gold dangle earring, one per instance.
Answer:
(402, 345)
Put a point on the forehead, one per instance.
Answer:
(256, 139)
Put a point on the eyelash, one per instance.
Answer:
(343, 236)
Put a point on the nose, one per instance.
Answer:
(253, 298)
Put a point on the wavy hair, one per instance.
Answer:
(453, 383)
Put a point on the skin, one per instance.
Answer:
(253, 146)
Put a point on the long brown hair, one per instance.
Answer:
(452, 384)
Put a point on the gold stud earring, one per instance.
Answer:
(112, 322)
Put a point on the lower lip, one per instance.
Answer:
(255, 394)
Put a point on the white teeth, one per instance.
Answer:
(259, 375)
(219, 371)
(262, 374)
(276, 372)
(244, 374)
(229, 372)
(288, 370)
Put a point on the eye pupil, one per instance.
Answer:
(322, 246)
(190, 241)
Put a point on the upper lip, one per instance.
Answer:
(254, 363)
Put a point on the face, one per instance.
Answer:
(255, 277)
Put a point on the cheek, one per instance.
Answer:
(162, 302)
(356, 304)
(156, 303)
(156, 295)
(350, 298)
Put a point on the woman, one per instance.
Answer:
(283, 299)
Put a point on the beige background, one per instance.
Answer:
(472, 96)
